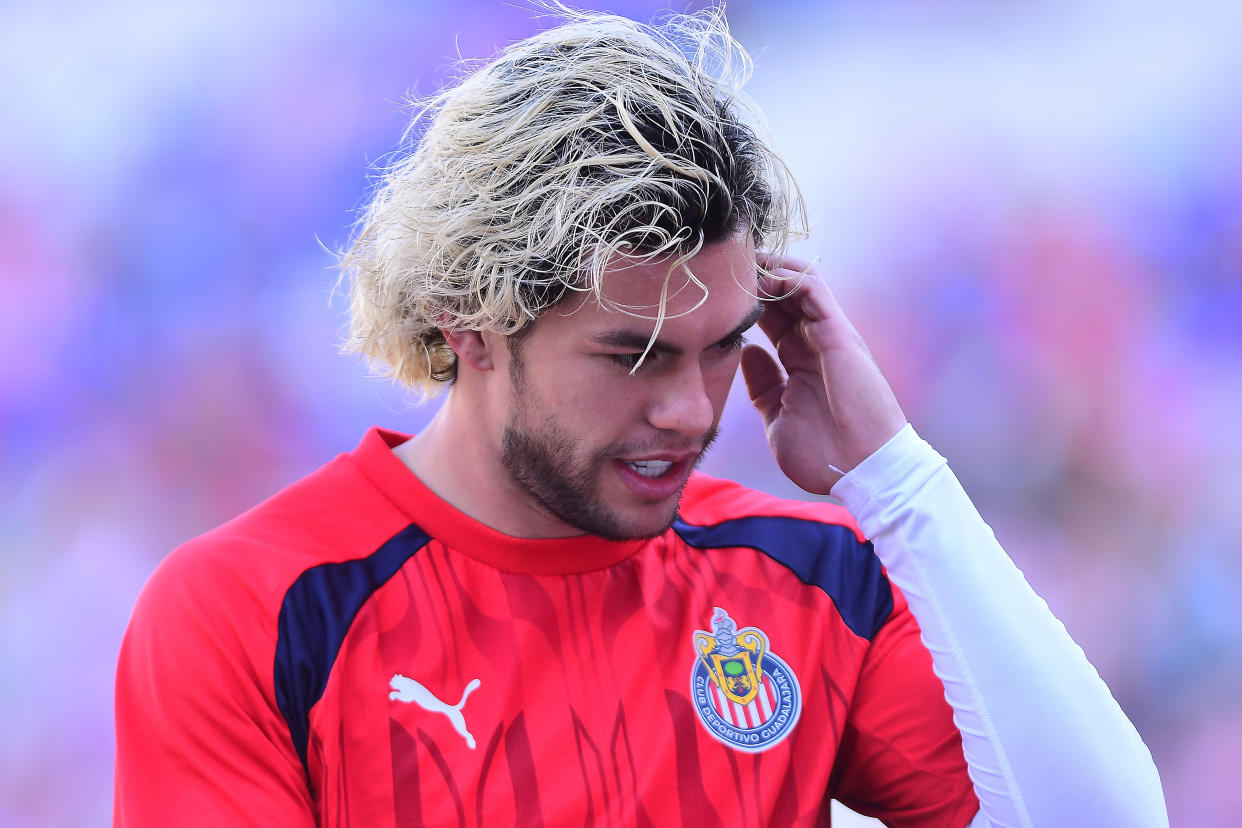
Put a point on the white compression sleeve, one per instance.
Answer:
(1045, 743)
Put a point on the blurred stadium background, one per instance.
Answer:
(1033, 210)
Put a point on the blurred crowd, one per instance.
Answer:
(1034, 215)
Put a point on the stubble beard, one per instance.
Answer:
(542, 459)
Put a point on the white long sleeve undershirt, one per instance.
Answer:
(1045, 742)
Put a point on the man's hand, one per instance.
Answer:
(831, 405)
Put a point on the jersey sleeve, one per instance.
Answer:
(900, 758)
(200, 740)
(1044, 739)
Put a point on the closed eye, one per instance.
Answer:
(728, 345)
(627, 361)
(660, 351)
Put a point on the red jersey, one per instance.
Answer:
(355, 651)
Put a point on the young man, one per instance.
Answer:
(533, 612)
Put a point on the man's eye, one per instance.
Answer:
(733, 343)
(628, 361)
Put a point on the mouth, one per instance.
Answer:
(650, 468)
(654, 478)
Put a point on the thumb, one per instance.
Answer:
(765, 381)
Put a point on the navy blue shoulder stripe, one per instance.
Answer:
(315, 616)
(821, 554)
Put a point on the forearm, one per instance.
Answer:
(1044, 740)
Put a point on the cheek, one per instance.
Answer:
(591, 393)
(719, 379)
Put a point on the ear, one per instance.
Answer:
(471, 348)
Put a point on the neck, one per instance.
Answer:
(457, 456)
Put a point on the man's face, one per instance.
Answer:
(607, 451)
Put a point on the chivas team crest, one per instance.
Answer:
(745, 695)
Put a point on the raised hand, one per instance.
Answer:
(826, 403)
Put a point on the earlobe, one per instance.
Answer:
(471, 348)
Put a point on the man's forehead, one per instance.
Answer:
(718, 283)
(679, 301)
(708, 294)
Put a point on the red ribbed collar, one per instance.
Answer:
(536, 556)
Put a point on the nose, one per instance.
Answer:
(684, 404)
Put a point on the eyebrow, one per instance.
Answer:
(628, 338)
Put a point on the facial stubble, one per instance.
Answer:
(542, 458)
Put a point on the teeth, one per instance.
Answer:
(650, 468)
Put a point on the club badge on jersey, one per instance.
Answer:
(745, 695)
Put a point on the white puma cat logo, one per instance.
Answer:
(408, 690)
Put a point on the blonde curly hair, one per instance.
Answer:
(598, 138)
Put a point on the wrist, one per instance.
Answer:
(882, 474)
(873, 443)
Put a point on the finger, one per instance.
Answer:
(808, 324)
(776, 321)
(781, 276)
(765, 381)
(788, 334)
(774, 261)
(786, 286)
(814, 300)
(796, 353)
(785, 319)
(779, 283)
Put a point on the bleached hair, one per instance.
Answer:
(598, 138)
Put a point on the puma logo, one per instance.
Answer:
(408, 690)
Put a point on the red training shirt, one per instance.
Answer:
(355, 651)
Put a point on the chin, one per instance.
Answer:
(639, 523)
(653, 530)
